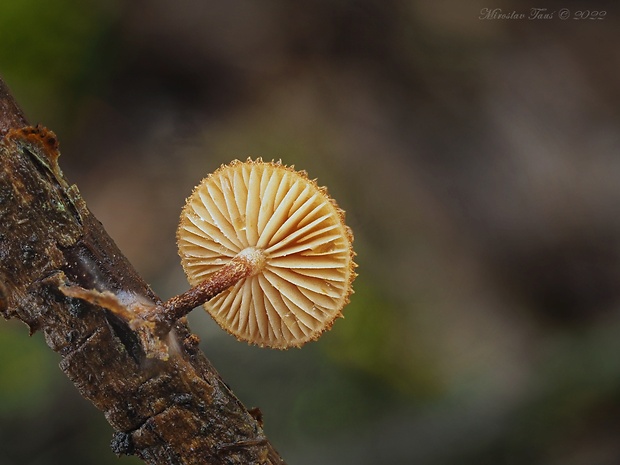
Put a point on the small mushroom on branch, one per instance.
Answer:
(267, 249)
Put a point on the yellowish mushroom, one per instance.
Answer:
(269, 249)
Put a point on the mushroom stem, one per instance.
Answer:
(246, 263)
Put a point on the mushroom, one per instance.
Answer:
(267, 249)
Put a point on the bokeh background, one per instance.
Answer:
(478, 161)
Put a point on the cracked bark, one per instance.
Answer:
(177, 411)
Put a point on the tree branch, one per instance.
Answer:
(177, 411)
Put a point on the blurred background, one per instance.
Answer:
(478, 160)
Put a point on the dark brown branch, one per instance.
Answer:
(177, 411)
(11, 116)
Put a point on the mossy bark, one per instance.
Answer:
(177, 411)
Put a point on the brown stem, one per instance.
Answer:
(248, 262)
(227, 276)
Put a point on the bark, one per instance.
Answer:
(174, 411)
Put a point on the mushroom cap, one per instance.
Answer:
(307, 269)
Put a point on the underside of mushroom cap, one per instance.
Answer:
(296, 235)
